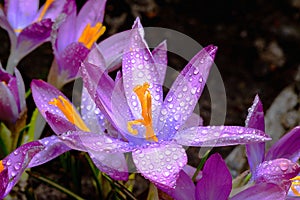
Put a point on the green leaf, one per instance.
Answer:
(5, 139)
(54, 185)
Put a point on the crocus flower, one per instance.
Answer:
(28, 155)
(279, 164)
(12, 98)
(146, 125)
(63, 117)
(216, 183)
(27, 25)
(73, 37)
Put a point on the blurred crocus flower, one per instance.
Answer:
(27, 25)
(153, 129)
(216, 183)
(279, 165)
(26, 156)
(12, 98)
(73, 37)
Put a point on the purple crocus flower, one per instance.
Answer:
(63, 117)
(12, 98)
(216, 183)
(27, 25)
(279, 165)
(146, 125)
(28, 155)
(73, 37)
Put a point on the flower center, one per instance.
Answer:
(90, 34)
(144, 96)
(1, 166)
(69, 111)
(45, 8)
(295, 182)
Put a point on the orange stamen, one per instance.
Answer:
(1, 166)
(295, 182)
(4, 82)
(144, 96)
(18, 30)
(69, 111)
(90, 34)
(45, 8)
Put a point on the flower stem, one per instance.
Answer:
(200, 166)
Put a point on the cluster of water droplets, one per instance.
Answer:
(160, 164)
(91, 114)
(18, 160)
(219, 136)
(278, 169)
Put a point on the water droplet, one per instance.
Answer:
(193, 90)
(167, 152)
(17, 166)
(169, 99)
(164, 111)
(284, 166)
(140, 67)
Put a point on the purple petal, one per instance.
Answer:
(21, 13)
(59, 124)
(6, 26)
(70, 60)
(160, 163)
(43, 93)
(62, 36)
(18, 161)
(54, 147)
(90, 114)
(138, 68)
(21, 90)
(161, 60)
(216, 180)
(255, 118)
(276, 170)
(113, 48)
(113, 164)
(256, 151)
(4, 179)
(219, 136)
(54, 9)
(31, 37)
(91, 12)
(265, 191)
(184, 190)
(193, 121)
(93, 142)
(8, 105)
(287, 147)
(100, 86)
(185, 91)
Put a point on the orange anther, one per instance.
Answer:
(144, 96)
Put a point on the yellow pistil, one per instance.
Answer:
(295, 182)
(1, 166)
(45, 8)
(69, 111)
(144, 96)
(90, 34)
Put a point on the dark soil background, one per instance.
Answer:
(259, 44)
